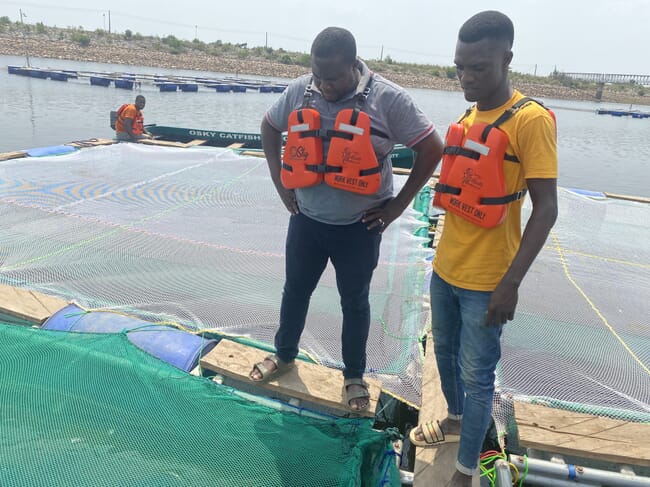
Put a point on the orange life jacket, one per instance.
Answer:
(472, 183)
(351, 163)
(138, 121)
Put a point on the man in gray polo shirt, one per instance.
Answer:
(331, 223)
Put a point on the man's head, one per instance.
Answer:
(483, 55)
(140, 102)
(334, 63)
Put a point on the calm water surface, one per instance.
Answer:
(597, 152)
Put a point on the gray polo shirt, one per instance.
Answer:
(391, 110)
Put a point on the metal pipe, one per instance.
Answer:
(576, 473)
(540, 480)
(503, 477)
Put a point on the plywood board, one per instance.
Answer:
(91, 142)
(167, 143)
(28, 305)
(5, 156)
(314, 383)
(582, 435)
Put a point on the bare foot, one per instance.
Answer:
(460, 480)
(257, 375)
(448, 426)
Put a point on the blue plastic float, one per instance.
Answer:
(176, 347)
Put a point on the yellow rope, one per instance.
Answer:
(560, 252)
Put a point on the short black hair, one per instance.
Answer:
(489, 24)
(140, 97)
(335, 42)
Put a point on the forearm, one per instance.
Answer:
(272, 144)
(535, 234)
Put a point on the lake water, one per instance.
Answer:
(597, 152)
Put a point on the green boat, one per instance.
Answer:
(402, 157)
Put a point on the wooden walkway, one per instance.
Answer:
(28, 305)
(314, 386)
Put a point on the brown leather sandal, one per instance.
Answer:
(281, 368)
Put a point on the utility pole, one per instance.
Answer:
(266, 40)
(109, 21)
(104, 20)
(535, 70)
(22, 14)
(196, 31)
(381, 56)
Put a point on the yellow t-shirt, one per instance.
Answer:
(472, 257)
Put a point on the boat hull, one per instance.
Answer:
(402, 157)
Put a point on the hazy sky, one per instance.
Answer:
(605, 36)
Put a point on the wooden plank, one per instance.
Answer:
(253, 153)
(91, 142)
(310, 382)
(167, 143)
(640, 199)
(582, 435)
(434, 466)
(5, 156)
(236, 145)
(28, 305)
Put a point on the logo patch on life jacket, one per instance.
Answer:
(350, 156)
(470, 178)
(299, 152)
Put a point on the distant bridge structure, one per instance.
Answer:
(641, 79)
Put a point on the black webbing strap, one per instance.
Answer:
(456, 150)
(368, 172)
(287, 167)
(511, 158)
(501, 200)
(445, 188)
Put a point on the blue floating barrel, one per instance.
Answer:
(36, 73)
(176, 347)
(168, 86)
(58, 76)
(239, 88)
(54, 150)
(13, 69)
(279, 89)
(223, 88)
(124, 84)
(266, 89)
(99, 81)
(190, 87)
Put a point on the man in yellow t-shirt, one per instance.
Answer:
(478, 270)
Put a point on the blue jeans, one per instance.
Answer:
(354, 252)
(467, 353)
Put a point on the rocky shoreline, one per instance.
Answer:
(143, 53)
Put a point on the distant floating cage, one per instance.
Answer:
(221, 88)
(99, 81)
(124, 84)
(189, 87)
(239, 88)
(266, 89)
(58, 76)
(167, 87)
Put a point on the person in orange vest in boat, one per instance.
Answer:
(130, 121)
(335, 179)
(502, 148)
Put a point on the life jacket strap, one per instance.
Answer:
(456, 150)
(501, 200)
(445, 188)
(511, 158)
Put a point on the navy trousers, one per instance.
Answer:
(354, 252)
